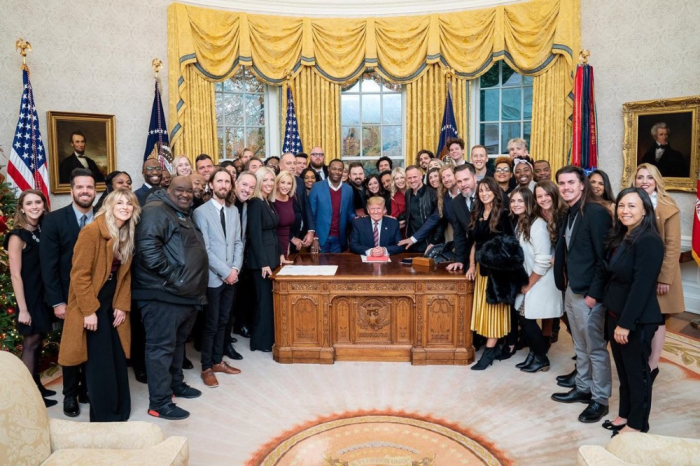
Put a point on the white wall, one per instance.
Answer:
(87, 56)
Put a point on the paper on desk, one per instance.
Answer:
(326, 270)
(364, 259)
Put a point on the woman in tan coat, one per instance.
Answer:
(96, 329)
(669, 289)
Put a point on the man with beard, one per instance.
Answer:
(421, 204)
(356, 177)
(152, 176)
(246, 155)
(198, 189)
(170, 276)
(253, 164)
(78, 159)
(317, 162)
(239, 319)
(543, 171)
(60, 231)
(220, 225)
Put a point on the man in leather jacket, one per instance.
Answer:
(421, 202)
(170, 278)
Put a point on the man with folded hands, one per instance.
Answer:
(376, 235)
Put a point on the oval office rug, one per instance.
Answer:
(377, 438)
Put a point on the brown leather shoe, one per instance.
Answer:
(225, 368)
(209, 378)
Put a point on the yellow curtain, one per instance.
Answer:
(197, 117)
(425, 104)
(317, 104)
(551, 111)
(529, 36)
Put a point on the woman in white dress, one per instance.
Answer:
(540, 298)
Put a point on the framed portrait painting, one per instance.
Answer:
(663, 133)
(80, 140)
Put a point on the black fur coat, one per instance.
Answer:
(501, 259)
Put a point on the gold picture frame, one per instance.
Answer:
(682, 116)
(99, 134)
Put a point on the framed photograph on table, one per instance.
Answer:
(663, 133)
(80, 140)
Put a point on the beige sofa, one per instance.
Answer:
(642, 449)
(29, 437)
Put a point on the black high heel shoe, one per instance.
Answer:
(608, 425)
(490, 354)
(539, 363)
(527, 361)
(506, 352)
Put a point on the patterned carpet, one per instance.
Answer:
(354, 413)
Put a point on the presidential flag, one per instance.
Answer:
(448, 130)
(292, 141)
(157, 142)
(27, 166)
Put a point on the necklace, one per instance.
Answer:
(34, 237)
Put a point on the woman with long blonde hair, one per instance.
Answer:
(182, 165)
(669, 289)
(97, 331)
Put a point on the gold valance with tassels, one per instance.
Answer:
(529, 36)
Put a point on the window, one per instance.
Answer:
(240, 115)
(505, 108)
(371, 119)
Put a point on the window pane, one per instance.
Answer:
(371, 141)
(527, 129)
(508, 132)
(233, 110)
(527, 80)
(511, 102)
(391, 110)
(510, 77)
(234, 142)
(219, 103)
(355, 87)
(252, 83)
(255, 110)
(490, 79)
(349, 109)
(391, 141)
(220, 137)
(370, 109)
(489, 137)
(235, 84)
(398, 162)
(527, 103)
(489, 105)
(369, 85)
(255, 140)
(351, 142)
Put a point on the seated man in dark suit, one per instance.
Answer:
(376, 235)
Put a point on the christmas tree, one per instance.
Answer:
(10, 339)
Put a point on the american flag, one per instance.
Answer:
(27, 167)
(292, 141)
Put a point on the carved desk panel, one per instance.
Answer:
(372, 312)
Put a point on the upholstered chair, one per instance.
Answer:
(29, 437)
(641, 449)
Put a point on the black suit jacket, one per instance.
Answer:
(362, 236)
(264, 247)
(577, 263)
(300, 198)
(71, 163)
(627, 281)
(59, 232)
(672, 163)
(459, 217)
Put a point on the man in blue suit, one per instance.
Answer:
(382, 242)
(152, 176)
(330, 212)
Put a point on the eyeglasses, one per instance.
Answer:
(153, 169)
(317, 154)
(503, 170)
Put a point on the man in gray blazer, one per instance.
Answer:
(221, 228)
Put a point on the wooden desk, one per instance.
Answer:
(373, 312)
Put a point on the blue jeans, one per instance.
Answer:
(332, 245)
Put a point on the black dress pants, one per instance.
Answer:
(533, 336)
(105, 369)
(74, 381)
(138, 340)
(216, 317)
(263, 332)
(632, 362)
(167, 327)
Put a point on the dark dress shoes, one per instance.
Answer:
(71, 408)
(539, 363)
(566, 376)
(568, 380)
(593, 413)
(83, 398)
(48, 403)
(231, 353)
(243, 331)
(141, 376)
(187, 364)
(573, 396)
(527, 361)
